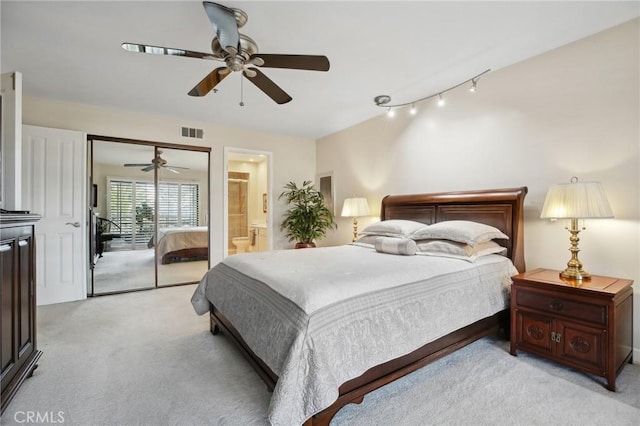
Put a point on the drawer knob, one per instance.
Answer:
(556, 305)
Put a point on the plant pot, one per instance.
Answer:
(305, 245)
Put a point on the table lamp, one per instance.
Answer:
(574, 201)
(355, 207)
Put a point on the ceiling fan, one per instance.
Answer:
(158, 161)
(239, 53)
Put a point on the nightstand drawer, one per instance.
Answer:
(569, 308)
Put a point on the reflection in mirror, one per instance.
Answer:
(149, 208)
(247, 202)
(122, 217)
(182, 241)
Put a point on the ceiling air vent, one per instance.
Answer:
(191, 132)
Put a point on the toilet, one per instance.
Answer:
(241, 244)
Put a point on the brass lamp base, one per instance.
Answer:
(575, 274)
(574, 269)
(355, 230)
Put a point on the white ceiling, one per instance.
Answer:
(71, 51)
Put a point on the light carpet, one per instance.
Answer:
(134, 269)
(145, 358)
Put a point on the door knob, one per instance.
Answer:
(74, 224)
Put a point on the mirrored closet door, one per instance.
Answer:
(183, 234)
(149, 207)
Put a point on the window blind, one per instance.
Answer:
(132, 203)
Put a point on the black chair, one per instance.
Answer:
(104, 234)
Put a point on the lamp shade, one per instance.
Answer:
(576, 200)
(355, 207)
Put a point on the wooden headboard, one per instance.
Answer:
(502, 208)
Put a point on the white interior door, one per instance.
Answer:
(54, 185)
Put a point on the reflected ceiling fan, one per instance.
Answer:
(158, 161)
(239, 53)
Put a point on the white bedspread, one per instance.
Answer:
(320, 317)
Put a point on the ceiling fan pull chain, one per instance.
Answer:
(241, 91)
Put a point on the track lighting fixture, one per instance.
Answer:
(384, 100)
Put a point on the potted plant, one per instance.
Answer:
(307, 218)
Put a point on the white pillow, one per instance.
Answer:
(393, 245)
(368, 239)
(393, 228)
(456, 250)
(462, 231)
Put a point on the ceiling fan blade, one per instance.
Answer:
(210, 81)
(169, 51)
(224, 24)
(149, 168)
(178, 167)
(137, 165)
(171, 169)
(270, 88)
(297, 62)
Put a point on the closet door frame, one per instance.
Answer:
(157, 146)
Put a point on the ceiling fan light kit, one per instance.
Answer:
(384, 101)
(239, 53)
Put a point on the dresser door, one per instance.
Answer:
(26, 329)
(533, 332)
(582, 345)
(8, 357)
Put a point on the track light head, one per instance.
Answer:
(474, 85)
(382, 100)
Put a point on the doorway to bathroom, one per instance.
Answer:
(239, 239)
(247, 199)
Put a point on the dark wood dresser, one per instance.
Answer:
(19, 353)
(587, 325)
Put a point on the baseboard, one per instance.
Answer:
(636, 356)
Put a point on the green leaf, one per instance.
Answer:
(307, 218)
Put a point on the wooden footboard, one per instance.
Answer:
(354, 390)
(199, 253)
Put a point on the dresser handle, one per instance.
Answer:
(556, 305)
(555, 337)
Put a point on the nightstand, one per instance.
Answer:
(587, 325)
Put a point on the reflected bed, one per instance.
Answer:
(181, 244)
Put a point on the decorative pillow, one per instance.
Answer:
(462, 231)
(393, 228)
(393, 245)
(456, 250)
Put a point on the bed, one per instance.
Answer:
(181, 243)
(356, 330)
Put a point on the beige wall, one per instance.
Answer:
(293, 158)
(570, 112)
